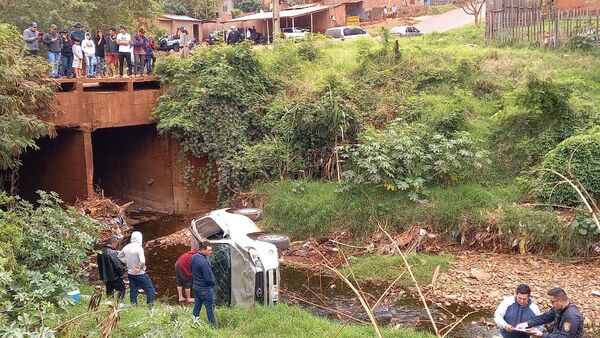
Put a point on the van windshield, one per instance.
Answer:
(220, 263)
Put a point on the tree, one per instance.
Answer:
(204, 9)
(93, 14)
(248, 6)
(25, 96)
(472, 7)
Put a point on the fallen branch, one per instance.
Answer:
(298, 298)
(412, 276)
(456, 324)
(357, 293)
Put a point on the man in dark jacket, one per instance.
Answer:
(204, 282)
(111, 269)
(55, 44)
(233, 36)
(515, 309)
(566, 318)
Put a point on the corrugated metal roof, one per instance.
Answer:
(292, 13)
(177, 17)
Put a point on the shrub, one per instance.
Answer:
(41, 260)
(541, 118)
(577, 157)
(406, 157)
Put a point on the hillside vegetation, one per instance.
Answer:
(440, 131)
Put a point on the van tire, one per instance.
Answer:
(282, 242)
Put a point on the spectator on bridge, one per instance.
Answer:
(54, 42)
(77, 58)
(394, 11)
(150, 58)
(139, 51)
(385, 13)
(89, 49)
(100, 43)
(79, 34)
(112, 53)
(66, 61)
(124, 42)
(32, 39)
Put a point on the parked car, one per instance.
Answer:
(170, 42)
(346, 32)
(405, 31)
(293, 33)
(245, 260)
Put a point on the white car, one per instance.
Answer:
(244, 260)
(293, 33)
(346, 32)
(405, 31)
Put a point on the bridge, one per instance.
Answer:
(107, 139)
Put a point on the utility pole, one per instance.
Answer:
(276, 26)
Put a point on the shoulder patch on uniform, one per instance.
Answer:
(567, 327)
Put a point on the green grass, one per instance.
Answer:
(254, 321)
(441, 9)
(316, 208)
(388, 268)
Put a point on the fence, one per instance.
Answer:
(531, 21)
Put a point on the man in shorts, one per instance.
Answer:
(184, 276)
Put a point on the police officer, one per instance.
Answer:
(568, 320)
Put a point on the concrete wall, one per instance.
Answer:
(134, 163)
(115, 102)
(106, 138)
(63, 164)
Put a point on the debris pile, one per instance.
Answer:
(107, 212)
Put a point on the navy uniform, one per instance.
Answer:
(568, 322)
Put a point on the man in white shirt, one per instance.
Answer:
(124, 42)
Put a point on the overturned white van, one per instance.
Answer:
(244, 260)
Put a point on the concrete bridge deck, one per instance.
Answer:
(107, 139)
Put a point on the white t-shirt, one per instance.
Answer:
(124, 37)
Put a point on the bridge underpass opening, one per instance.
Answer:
(136, 164)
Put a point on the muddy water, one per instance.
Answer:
(402, 311)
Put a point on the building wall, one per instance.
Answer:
(577, 4)
(171, 26)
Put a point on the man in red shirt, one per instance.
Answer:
(184, 276)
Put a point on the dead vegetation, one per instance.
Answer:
(107, 212)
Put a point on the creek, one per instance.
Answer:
(324, 292)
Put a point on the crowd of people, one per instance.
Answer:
(192, 271)
(76, 53)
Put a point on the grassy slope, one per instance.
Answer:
(317, 209)
(273, 321)
(388, 268)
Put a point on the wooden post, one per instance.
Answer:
(311, 23)
(276, 23)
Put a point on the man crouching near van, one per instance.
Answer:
(204, 282)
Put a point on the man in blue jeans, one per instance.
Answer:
(55, 43)
(204, 283)
(133, 256)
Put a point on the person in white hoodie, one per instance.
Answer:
(133, 256)
(89, 49)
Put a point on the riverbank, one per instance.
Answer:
(177, 321)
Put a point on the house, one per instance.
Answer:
(170, 22)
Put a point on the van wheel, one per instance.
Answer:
(282, 242)
(176, 48)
